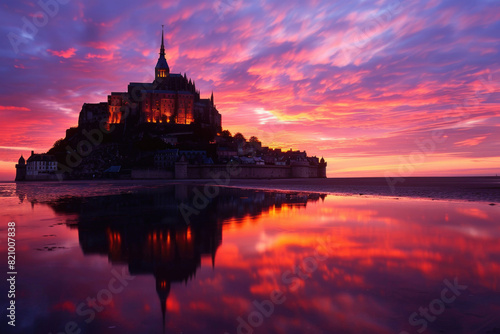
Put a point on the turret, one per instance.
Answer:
(322, 168)
(21, 169)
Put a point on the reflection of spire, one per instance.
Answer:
(163, 290)
(215, 245)
(164, 312)
(171, 252)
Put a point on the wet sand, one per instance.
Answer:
(483, 189)
(476, 189)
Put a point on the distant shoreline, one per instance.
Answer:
(474, 189)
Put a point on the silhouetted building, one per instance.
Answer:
(37, 167)
(171, 98)
(161, 130)
(21, 169)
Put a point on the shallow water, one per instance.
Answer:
(123, 258)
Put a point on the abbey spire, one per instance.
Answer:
(162, 70)
(162, 48)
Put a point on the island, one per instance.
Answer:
(161, 130)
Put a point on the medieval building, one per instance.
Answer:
(160, 130)
(38, 167)
(171, 99)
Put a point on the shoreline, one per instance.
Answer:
(468, 189)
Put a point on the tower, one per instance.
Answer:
(322, 168)
(21, 169)
(162, 70)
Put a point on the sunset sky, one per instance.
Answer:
(379, 88)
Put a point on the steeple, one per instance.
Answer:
(162, 70)
(162, 49)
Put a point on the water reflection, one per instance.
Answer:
(146, 230)
(377, 260)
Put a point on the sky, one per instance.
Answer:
(379, 88)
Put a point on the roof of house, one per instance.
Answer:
(41, 157)
(113, 169)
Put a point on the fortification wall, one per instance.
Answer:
(322, 170)
(152, 174)
(300, 169)
(313, 171)
(181, 170)
(42, 177)
(185, 171)
(245, 172)
(253, 171)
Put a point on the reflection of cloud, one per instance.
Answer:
(474, 212)
(383, 259)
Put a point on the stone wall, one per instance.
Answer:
(246, 172)
(42, 177)
(152, 174)
(249, 171)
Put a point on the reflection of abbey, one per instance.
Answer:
(153, 238)
(170, 99)
(160, 130)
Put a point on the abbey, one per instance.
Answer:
(170, 99)
(161, 130)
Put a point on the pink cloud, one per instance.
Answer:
(63, 53)
(471, 142)
(107, 57)
(13, 108)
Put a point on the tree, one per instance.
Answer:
(254, 139)
(59, 146)
(226, 134)
(239, 137)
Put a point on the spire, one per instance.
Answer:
(162, 70)
(212, 98)
(162, 49)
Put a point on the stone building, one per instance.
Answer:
(21, 169)
(171, 98)
(37, 167)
